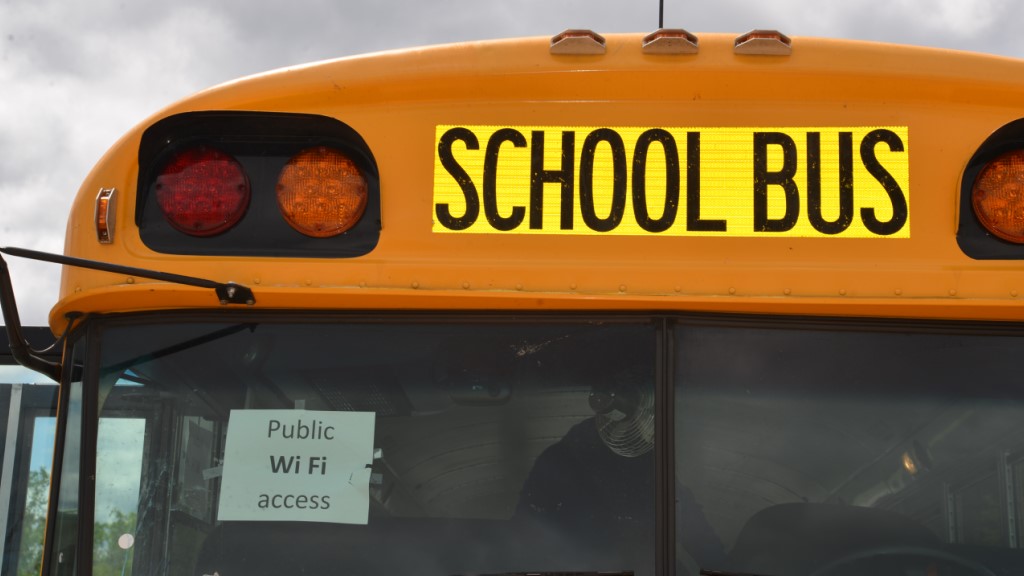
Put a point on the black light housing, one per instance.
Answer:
(973, 234)
(262, 144)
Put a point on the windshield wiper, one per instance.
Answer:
(22, 352)
(704, 572)
(228, 292)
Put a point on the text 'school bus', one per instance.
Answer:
(567, 305)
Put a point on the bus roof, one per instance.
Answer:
(421, 111)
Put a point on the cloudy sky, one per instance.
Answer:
(76, 74)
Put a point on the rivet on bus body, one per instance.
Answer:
(572, 286)
(519, 286)
(898, 292)
(415, 285)
(130, 280)
(732, 290)
(362, 283)
(256, 280)
(952, 291)
(842, 291)
(678, 288)
(787, 291)
(622, 287)
(1013, 293)
(465, 285)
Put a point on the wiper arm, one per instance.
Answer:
(21, 351)
(229, 293)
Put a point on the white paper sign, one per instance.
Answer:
(297, 465)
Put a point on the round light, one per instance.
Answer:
(202, 191)
(321, 192)
(998, 196)
(908, 464)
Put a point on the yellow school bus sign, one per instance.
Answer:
(848, 182)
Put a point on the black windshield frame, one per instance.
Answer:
(90, 331)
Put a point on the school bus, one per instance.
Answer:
(624, 304)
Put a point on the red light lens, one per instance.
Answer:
(203, 191)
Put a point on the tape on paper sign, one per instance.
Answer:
(297, 465)
(826, 182)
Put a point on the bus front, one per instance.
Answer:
(623, 305)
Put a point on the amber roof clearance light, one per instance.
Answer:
(321, 192)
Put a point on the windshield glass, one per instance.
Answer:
(852, 450)
(383, 448)
(514, 446)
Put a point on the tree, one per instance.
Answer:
(33, 524)
(108, 559)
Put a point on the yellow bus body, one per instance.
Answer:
(948, 103)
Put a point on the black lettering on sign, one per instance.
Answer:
(318, 464)
(497, 221)
(784, 178)
(618, 208)
(539, 176)
(444, 152)
(315, 430)
(842, 222)
(640, 211)
(292, 501)
(693, 219)
(613, 166)
(279, 465)
(892, 188)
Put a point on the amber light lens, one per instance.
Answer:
(202, 191)
(321, 192)
(998, 196)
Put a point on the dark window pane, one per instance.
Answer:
(470, 448)
(848, 449)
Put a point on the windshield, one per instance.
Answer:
(531, 445)
(387, 448)
(853, 449)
